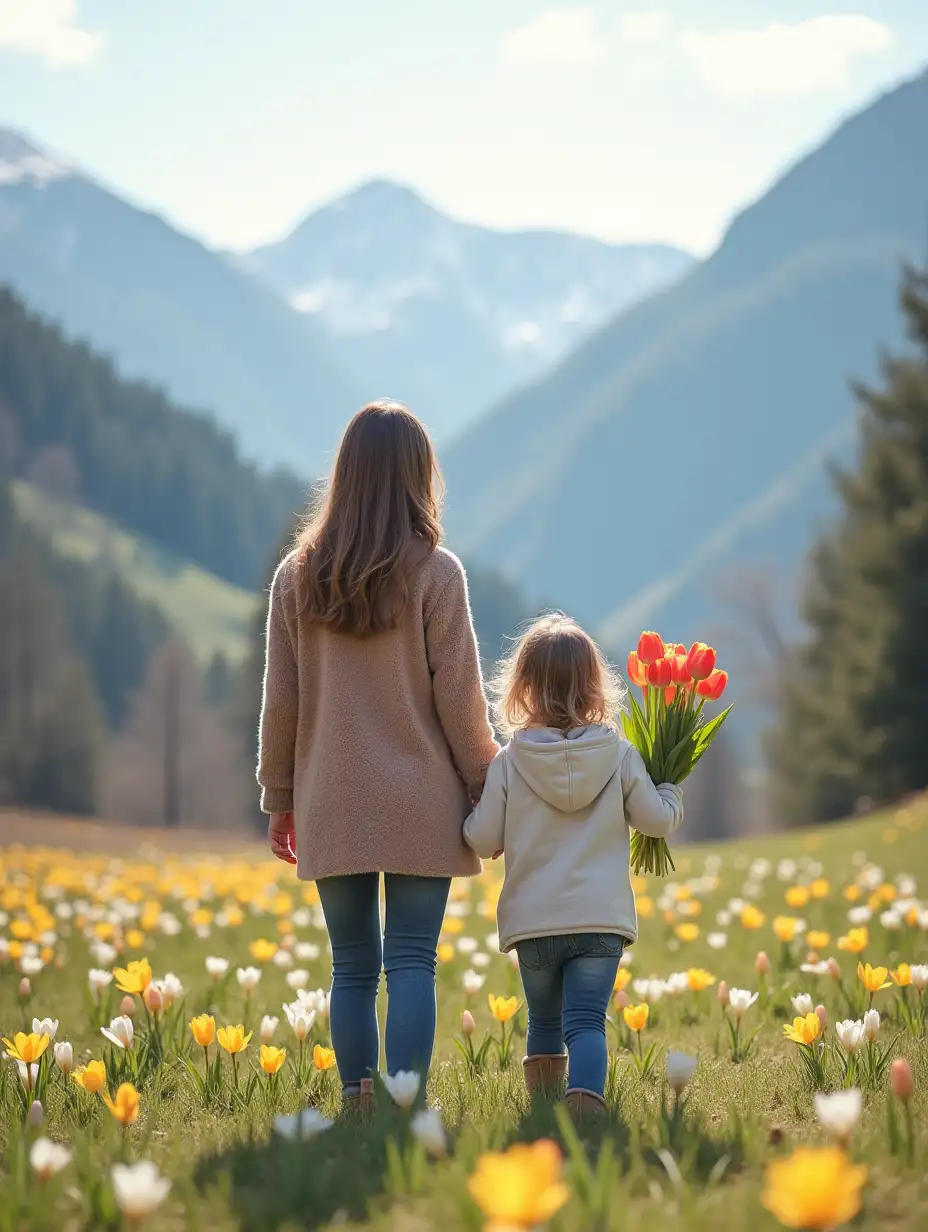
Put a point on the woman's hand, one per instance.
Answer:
(281, 835)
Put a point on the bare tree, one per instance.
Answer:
(175, 763)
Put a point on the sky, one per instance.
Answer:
(632, 121)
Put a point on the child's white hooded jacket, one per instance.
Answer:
(561, 807)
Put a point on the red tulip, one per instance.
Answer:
(713, 687)
(670, 694)
(700, 661)
(650, 648)
(681, 673)
(660, 673)
(636, 671)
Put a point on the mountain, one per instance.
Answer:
(448, 316)
(168, 310)
(688, 437)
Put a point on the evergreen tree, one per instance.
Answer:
(854, 705)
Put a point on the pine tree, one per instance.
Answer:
(854, 708)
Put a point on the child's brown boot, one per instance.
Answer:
(544, 1073)
(363, 1102)
(584, 1105)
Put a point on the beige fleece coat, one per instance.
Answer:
(561, 807)
(378, 744)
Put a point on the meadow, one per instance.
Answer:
(125, 958)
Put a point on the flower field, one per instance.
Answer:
(168, 1061)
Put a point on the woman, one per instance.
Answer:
(375, 736)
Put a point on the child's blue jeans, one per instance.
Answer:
(405, 950)
(568, 982)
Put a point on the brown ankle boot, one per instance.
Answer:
(584, 1105)
(363, 1102)
(544, 1073)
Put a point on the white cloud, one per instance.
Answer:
(48, 29)
(645, 26)
(785, 59)
(561, 36)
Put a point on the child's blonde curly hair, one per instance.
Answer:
(556, 676)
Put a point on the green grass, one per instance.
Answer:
(210, 614)
(230, 1171)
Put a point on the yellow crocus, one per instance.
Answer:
(852, 893)
(687, 931)
(796, 897)
(445, 952)
(233, 1039)
(521, 1187)
(817, 939)
(323, 1058)
(873, 978)
(453, 925)
(855, 941)
(805, 1030)
(133, 978)
(752, 917)
(503, 1008)
(92, 1076)
(203, 1029)
(785, 927)
(125, 1107)
(820, 888)
(25, 1048)
(817, 1188)
(902, 975)
(622, 979)
(262, 951)
(645, 906)
(272, 1059)
(636, 1016)
(698, 979)
(135, 939)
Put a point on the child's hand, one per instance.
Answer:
(282, 837)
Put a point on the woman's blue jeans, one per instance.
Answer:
(405, 949)
(568, 982)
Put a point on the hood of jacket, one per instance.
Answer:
(568, 771)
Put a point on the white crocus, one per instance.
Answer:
(304, 1125)
(483, 960)
(891, 920)
(872, 1026)
(48, 1158)
(31, 966)
(216, 968)
(428, 1130)
(920, 976)
(268, 1028)
(817, 968)
(680, 1069)
(171, 989)
(248, 978)
(717, 941)
(139, 1188)
(678, 982)
(839, 1112)
(45, 1026)
(402, 1087)
(300, 1018)
(467, 945)
(64, 1056)
(283, 959)
(850, 1034)
(297, 979)
(472, 982)
(306, 951)
(99, 981)
(803, 1004)
(121, 1032)
(859, 916)
(740, 1001)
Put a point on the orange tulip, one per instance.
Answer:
(700, 661)
(670, 694)
(636, 671)
(713, 686)
(650, 648)
(660, 673)
(680, 669)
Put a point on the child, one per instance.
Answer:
(559, 800)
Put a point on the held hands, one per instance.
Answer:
(281, 836)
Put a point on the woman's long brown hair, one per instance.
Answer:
(359, 542)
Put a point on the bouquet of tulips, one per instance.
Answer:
(668, 726)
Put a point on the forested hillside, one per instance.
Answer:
(69, 423)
